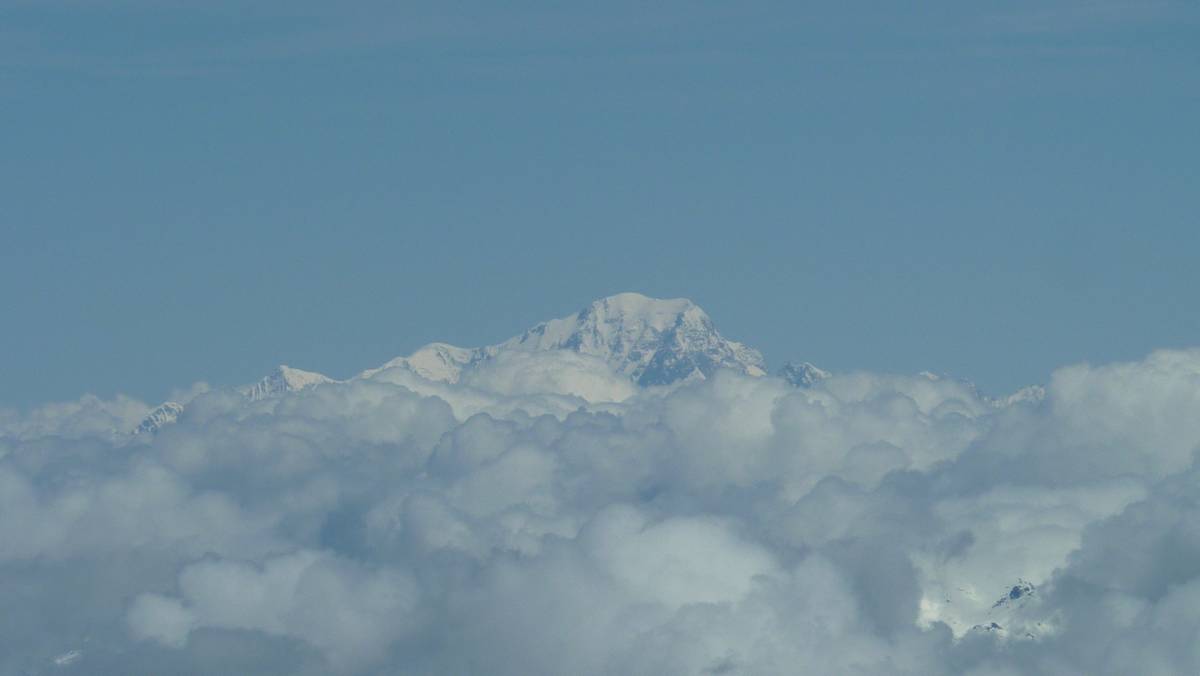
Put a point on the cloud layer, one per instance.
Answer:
(544, 516)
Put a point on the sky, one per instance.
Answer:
(200, 191)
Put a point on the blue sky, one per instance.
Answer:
(201, 191)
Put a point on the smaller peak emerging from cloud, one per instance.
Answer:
(165, 414)
(802, 374)
(284, 379)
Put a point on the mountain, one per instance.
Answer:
(166, 413)
(802, 374)
(280, 381)
(435, 361)
(1018, 613)
(284, 379)
(648, 340)
(1015, 614)
(1032, 395)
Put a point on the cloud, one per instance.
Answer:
(557, 372)
(348, 612)
(546, 516)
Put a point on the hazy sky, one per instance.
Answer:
(201, 190)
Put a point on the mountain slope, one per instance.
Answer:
(802, 374)
(435, 361)
(166, 413)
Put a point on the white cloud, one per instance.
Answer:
(160, 618)
(545, 516)
(557, 372)
(349, 612)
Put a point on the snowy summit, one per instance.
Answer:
(651, 341)
(284, 379)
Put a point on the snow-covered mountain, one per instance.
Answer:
(653, 342)
(1031, 394)
(280, 381)
(166, 413)
(648, 340)
(435, 361)
(283, 379)
(802, 374)
(1015, 614)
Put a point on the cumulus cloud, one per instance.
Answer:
(335, 605)
(545, 515)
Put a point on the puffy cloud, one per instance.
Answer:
(162, 619)
(544, 515)
(89, 417)
(350, 613)
(558, 372)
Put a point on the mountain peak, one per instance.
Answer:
(802, 374)
(634, 307)
(652, 341)
(166, 413)
(436, 361)
(284, 379)
(649, 340)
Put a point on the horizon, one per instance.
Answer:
(773, 368)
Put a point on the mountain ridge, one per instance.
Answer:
(650, 341)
